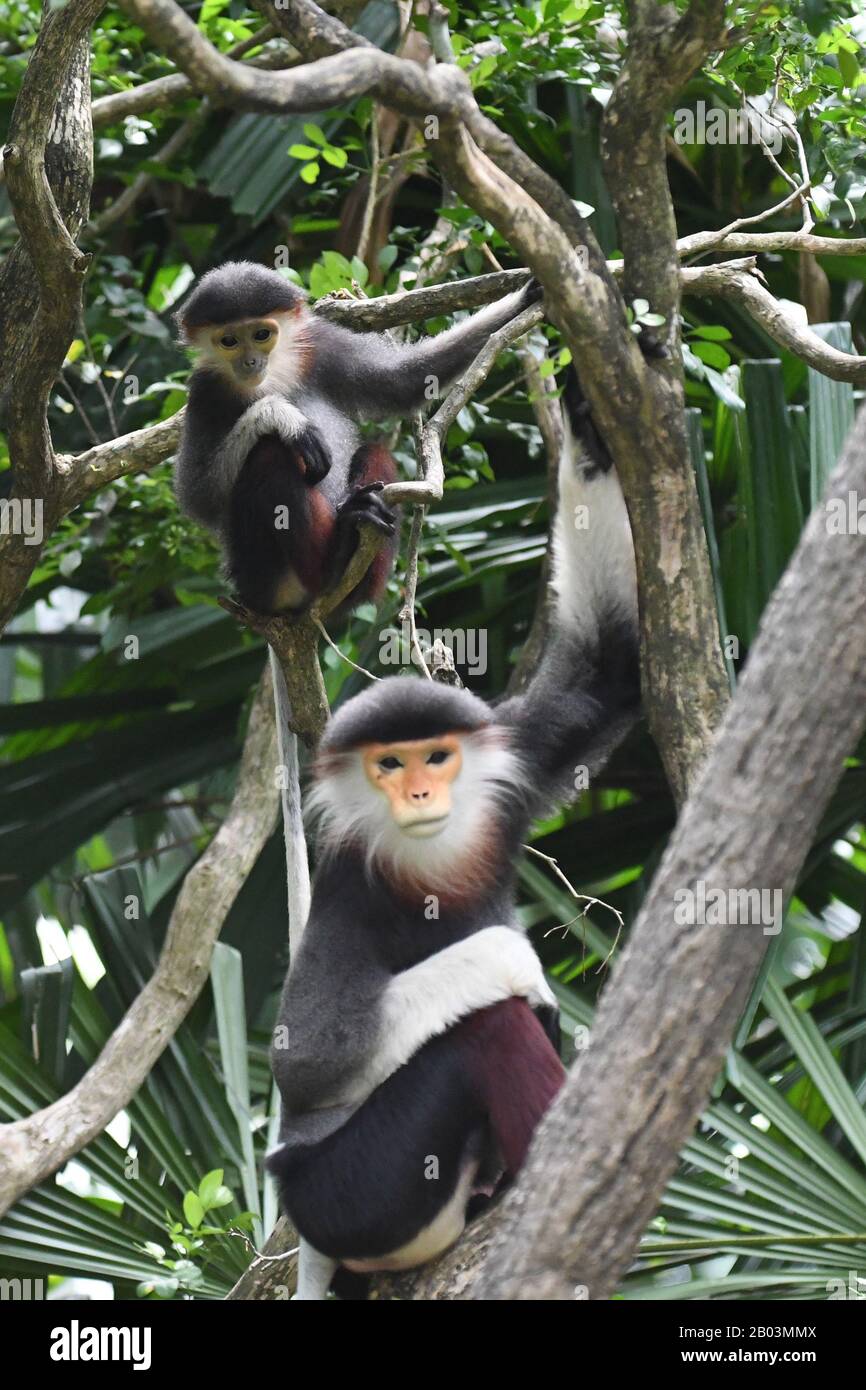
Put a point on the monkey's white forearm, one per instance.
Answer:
(270, 415)
(494, 964)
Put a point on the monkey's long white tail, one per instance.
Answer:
(593, 553)
(297, 863)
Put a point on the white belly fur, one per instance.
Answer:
(445, 1228)
(290, 592)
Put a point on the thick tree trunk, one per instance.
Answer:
(600, 1162)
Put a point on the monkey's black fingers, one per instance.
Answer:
(583, 426)
(313, 453)
(533, 292)
(366, 505)
(651, 344)
(548, 1017)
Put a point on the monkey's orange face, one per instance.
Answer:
(416, 778)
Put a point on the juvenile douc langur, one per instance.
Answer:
(271, 458)
(413, 1024)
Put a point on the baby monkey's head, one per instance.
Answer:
(240, 320)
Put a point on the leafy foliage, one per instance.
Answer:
(123, 686)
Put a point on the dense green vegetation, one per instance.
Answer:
(114, 773)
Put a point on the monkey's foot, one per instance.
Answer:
(365, 505)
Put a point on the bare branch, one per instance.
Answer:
(412, 306)
(358, 70)
(165, 92)
(32, 1149)
(722, 234)
(81, 475)
(745, 289)
(753, 243)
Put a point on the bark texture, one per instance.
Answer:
(601, 1159)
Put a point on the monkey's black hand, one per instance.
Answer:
(548, 1017)
(532, 293)
(583, 426)
(651, 344)
(365, 505)
(312, 451)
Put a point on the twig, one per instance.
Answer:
(710, 241)
(107, 400)
(370, 205)
(85, 418)
(340, 653)
(581, 897)
(754, 243)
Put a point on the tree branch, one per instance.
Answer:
(744, 288)
(666, 1019)
(413, 306)
(165, 92)
(49, 170)
(32, 1149)
(663, 52)
(753, 243)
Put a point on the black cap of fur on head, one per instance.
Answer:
(402, 708)
(237, 290)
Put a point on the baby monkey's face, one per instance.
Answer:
(243, 349)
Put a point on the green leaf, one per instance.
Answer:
(712, 333)
(193, 1210)
(387, 257)
(309, 173)
(228, 992)
(303, 152)
(335, 156)
(712, 354)
(314, 133)
(209, 10)
(808, 1044)
(209, 1186)
(849, 67)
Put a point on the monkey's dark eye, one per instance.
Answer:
(261, 335)
(440, 756)
(389, 764)
(228, 340)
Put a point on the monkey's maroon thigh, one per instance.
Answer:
(369, 1189)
